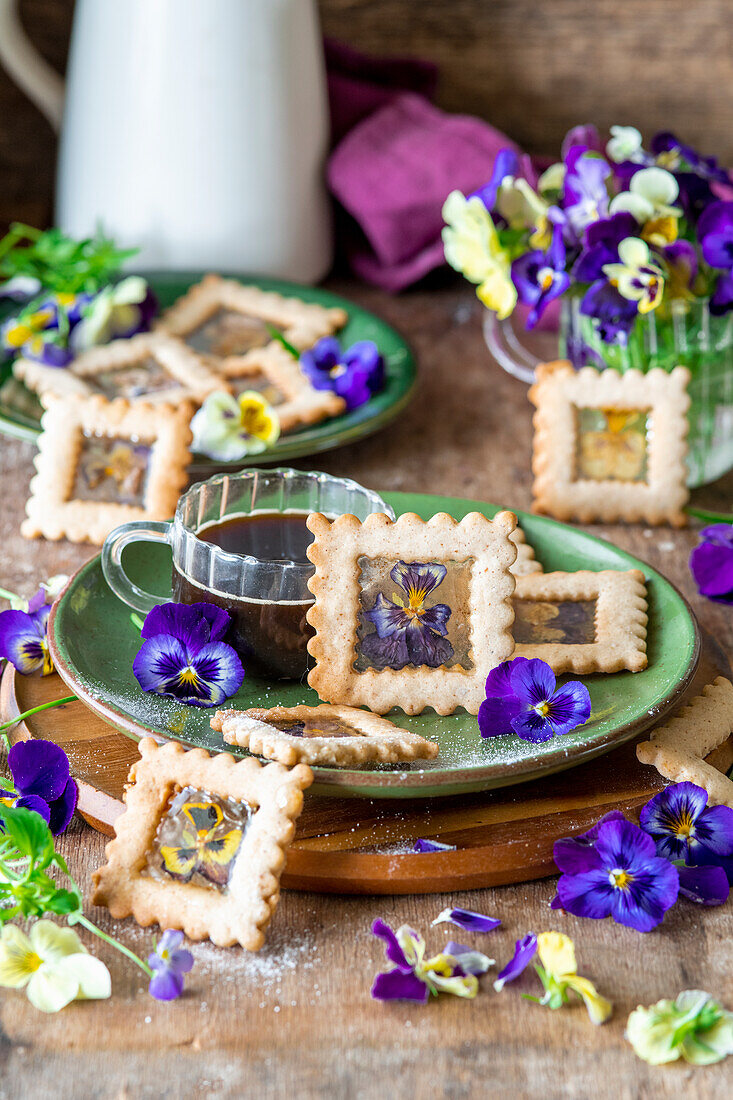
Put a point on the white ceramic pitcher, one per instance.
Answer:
(196, 129)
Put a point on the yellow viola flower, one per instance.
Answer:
(637, 276)
(228, 428)
(472, 247)
(52, 965)
(559, 973)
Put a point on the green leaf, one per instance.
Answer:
(28, 831)
(64, 902)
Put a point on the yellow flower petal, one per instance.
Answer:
(557, 954)
(498, 293)
(50, 989)
(91, 975)
(53, 942)
(599, 1009)
(18, 960)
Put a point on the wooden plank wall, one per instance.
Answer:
(533, 67)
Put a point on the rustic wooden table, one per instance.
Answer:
(297, 1019)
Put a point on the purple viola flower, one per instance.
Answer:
(421, 845)
(524, 951)
(667, 147)
(169, 962)
(615, 316)
(354, 374)
(573, 850)
(42, 782)
(715, 233)
(620, 876)
(407, 629)
(711, 563)
(585, 136)
(184, 658)
(23, 639)
(522, 697)
(684, 827)
(602, 239)
(585, 195)
(468, 920)
(695, 195)
(506, 164)
(541, 276)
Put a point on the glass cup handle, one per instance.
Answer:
(114, 573)
(502, 342)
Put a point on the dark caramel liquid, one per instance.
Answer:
(270, 637)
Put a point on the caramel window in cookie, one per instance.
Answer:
(413, 614)
(563, 622)
(229, 332)
(259, 382)
(198, 839)
(314, 727)
(613, 444)
(145, 376)
(111, 469)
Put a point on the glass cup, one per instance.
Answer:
(267, 599)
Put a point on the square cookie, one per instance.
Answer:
(278, 377)
(102, 463)
(201, 844)
(610, 446)
(150, 367)
(219, 317)
(410, 614)
(582, 622)
(332, 736)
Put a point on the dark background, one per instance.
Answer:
(532, 67)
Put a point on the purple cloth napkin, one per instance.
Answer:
(358, 85)
(392, 173)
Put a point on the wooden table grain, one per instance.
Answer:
(297, 1019)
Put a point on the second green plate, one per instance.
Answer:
(20, 411)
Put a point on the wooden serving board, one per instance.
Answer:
(359, 846)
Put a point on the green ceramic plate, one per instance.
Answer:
(93, 643)
(20, 410)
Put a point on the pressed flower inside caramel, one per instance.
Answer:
(198, 839)
(612, 444)
(111, 470)
(566, 622)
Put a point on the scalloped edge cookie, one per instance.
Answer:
(242, 913)
(378, 740)
(337, 546)
(557, 392)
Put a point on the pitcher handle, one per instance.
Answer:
(114, 573)
(504, 345)
(31, 72)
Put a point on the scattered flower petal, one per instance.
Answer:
(467, 920)
(421, 845)
(524, 951)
